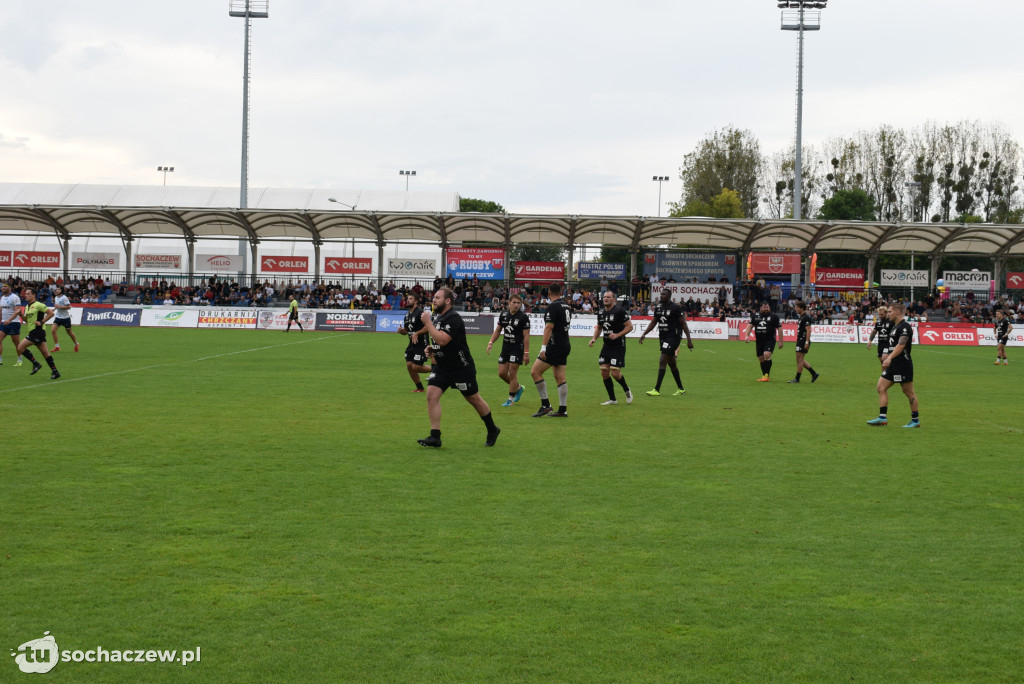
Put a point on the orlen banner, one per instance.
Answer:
(223, 263)
(413, 268)
(892, 277)
(681, 292)
(158, 262)
(1014, 281)
(483, 262)
(284, 264)
(5, 259)
(227, 318)
(839, 279)
(967, 280)
(21, 259)
(348, 320)
(96, 260)
(776, 263)
(948, 335)
(539, 270)
(348, 265)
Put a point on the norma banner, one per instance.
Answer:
(1015, 281)
(284, 264)
(227, 318)
(967, 280)
(169, 317)
(776, 263)
(412, 268)
(20, 259)
(592, 270)
(218, 263)
(158, 262)
(892, 277)
(682, 292)
(839, 279)
(486, 263)
(110, 260)
(277, 319)
(117, 317)
(527, 271)
(348, 265)
(345, 321)
(699, 265)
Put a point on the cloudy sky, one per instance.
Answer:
(559, 106)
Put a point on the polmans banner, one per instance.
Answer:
(351, 265)
(593, 270)
(776, 263)
(699, 265)
(839, 278)
(96, 260)
(284, 264)
(487, 263)
(892, 277)
(528, 271)
(412, 268)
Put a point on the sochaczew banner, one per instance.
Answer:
(158, 262)
(681, 292)
(487, 263)
(775, 263)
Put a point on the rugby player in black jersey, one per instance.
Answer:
(803, 341)
(672, 320)
(881, 331)
(897, 366)
(514, 325)
(452, 367)
(614, 323)
(766, 327)
(416, 350)
(554, 353)
(1002, 330)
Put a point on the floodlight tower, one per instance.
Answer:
(248, 10)
(659, 180)
(406, 174)
(165, 170)
(800, 15)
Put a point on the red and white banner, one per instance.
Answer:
(949, 335)
(681, 292)
(776, 263)
(284, 264)
(539, 270)
(5, 259)
(335, 265)
(839, 278)
(158, 262)
(21, 259)
(1015, 281)
(221, 263)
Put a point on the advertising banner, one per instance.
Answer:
(284, 264)
(776, 263)
(101, 260)
(699, 265)
(116, 317)
(348, 320)
(539, 270)
(160, 317)
(227, 318)
(682, 292)
(5, 259)
(967, 280)
(158, 262)
(389, 322)
(944, 335)
(348, 265)
(1014, 281)
(839, 278)
(20, 259)
(479, 324)
(833, 333)
(892, 277)
(277, 319)
(987, 337)
(592, 270)
(412, 268)
(219, 263)
(486, 263)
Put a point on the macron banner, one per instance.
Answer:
(486, 263)
(776, 263)
(21, 259)
(349, 265)
(284, 264)
(96, 260)
(892, 277)
(539, 270)
(592, 270)
(967, 280)
(839, 279)
(412, 268)
(1015, 281)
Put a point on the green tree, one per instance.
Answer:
(848, 205)
(726, 204)
(727, 158)
(482, 206)
(536, 253)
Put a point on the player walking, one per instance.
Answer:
(803, 341)
(10, 320)
(1002, 330)
(35, 315)
(416, 350)
(883, 326)
(614, 324)
(514, 324)
(672, 321)
(766, 327)
(897, 366)
(61, 318)
(554, 353)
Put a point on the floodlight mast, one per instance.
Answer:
(248, 10)
(801, 20)
(659, 180)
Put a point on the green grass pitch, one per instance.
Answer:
(262, 496)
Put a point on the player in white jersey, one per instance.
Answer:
(10, 320)
(61, 318)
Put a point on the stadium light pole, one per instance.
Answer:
(166, 170)
(353, 208)
(800, 20)
(248, 10)
(659, 180)
(407, 174)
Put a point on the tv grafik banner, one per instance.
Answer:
(592, 270)
(412, 268)
(699, 265)
(158, 262)
(277, 319)
(486, 263)
(228, 318)
(892, 277)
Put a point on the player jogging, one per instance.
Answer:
(803, 341)
(35, 315)
(554, 353)
(881, 330)
(766, 327)
(452, 367)
(293, 314)
(10, 320)
(672, 321)
(61, 318)
(514, 325)
(897, 366)
(416, 350)
(614, 324)
(1002, 330)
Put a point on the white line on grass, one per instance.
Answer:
(710, 352)
(173, 363)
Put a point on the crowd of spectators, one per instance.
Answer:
(79, 290)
